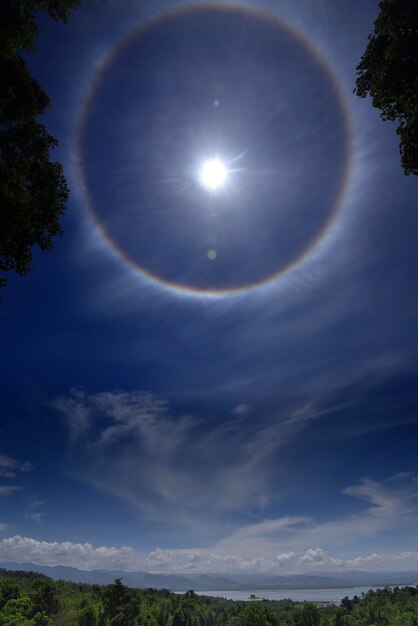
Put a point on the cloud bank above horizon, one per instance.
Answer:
(84, 556)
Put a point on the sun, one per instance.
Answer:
(213, 174)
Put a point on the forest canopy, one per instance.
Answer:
(29, 599)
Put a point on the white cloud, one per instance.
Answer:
(33, 512)
(397, 496)
(313, 555)
(9, 466)
(23, 549)
(241, 409)
(86, 556)
(35, 516)
(7, 462)
(6, 490)
(26, 467)
(316, 559)
(286, 558)
(262, 538)
(393, 505)
(4, 473)
(76, 412)
(304, 412)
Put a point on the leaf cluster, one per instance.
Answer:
(388, 72)
(33, 190)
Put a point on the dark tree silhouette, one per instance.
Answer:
(119, 605)
(33, 191)
(45, 598)
(388, 72)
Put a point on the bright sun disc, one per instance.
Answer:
(213, 174)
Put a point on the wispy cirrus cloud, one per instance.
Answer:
(7, 490)
(392, 506)
(170, 467)
(33, 511)
(9, 467)
(241, 409)
(215, 481)
(395, 497)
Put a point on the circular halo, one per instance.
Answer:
(91, 93)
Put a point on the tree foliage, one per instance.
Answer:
(28, 599)
(33, 191)
(388, 72)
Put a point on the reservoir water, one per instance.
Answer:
(298, 595)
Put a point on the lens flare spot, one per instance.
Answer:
(212, 255)
(213, 174)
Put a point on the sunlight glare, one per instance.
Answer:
(213, 174)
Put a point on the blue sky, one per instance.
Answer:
(159, 411)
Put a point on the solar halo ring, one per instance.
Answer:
(89, 98)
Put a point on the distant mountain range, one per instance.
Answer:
(212, 582)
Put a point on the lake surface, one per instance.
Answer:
(298, 595)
